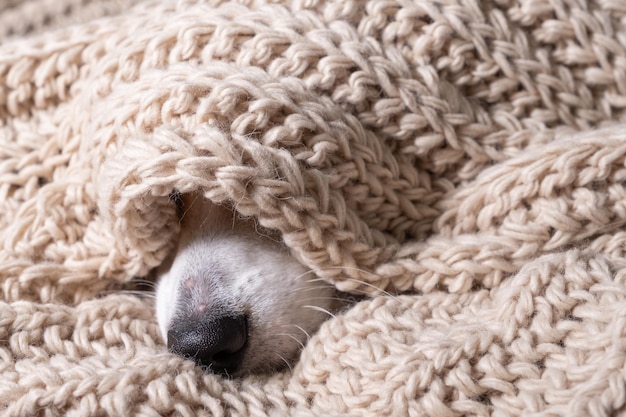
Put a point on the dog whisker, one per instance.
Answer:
(308, 336)
(286, 361)
(140, 294)
(358, 281)
(292, 337)
(298, 277)
(317, 279)
(320, 309)
(136, 293)
(322, 299)
(304, 289)
(146, 282)
(361, 282)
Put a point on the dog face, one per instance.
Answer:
(233, 299)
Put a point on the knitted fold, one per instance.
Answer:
(460, 162)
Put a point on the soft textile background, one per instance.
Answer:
(466, 154)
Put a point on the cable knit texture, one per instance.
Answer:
(461, 162)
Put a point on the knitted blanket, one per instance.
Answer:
(461, 163)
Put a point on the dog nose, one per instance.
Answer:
(216, 344)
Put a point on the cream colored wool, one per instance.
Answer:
(25, 17)
(425, 147)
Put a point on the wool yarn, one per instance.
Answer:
(459, 162)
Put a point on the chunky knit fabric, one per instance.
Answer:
(460, 162)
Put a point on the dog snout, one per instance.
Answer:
(216, 344)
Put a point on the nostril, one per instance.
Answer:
(217, 343)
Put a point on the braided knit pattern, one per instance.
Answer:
(460, 162)
(25, 17)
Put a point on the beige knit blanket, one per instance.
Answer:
(421, 152)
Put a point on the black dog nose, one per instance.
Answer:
(217, 343)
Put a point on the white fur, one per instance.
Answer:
(224, 263)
